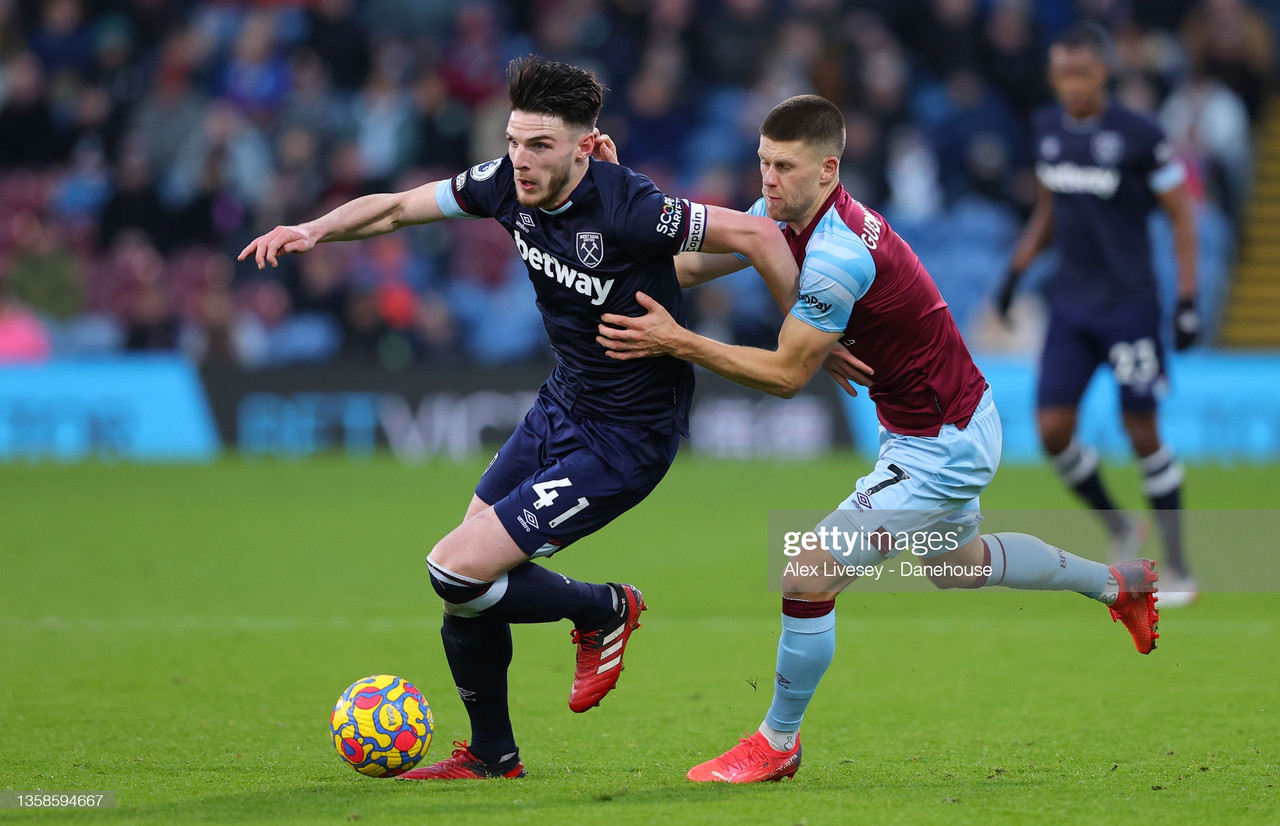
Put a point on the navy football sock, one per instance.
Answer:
(479, 650)
(1078, 467)
(532, 593)
(1163, 486)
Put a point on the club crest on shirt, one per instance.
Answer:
(590, 249)
(1107, 147)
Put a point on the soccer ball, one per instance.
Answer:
(381, 726)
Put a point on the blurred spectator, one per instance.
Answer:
(915, 194)
(61, 40)
(1209, 126)
(216, 209)
(82, 189)
(256, 79)
(134, 205)
(43, 274)
(173, 110)
(730, 43)
(96, 122)
(267, 333)
(1230, 40)
(23, 337)
(952, 40)
(12, 41)
(473, 66)
(28, 138)
(340, 41)
(1011, 59)
(975, 138)
(383, 117)
(657, 120)
(442, 128)
(312, 105)
(862, 169)
(228, 147)
(150, 322)
(117, 69)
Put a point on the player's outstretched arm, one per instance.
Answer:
(363, 217)
(1186, 317)
(760, 241)
(1035, 238)
(782, 372)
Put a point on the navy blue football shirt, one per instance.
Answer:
(615, 235)
(1105, 174)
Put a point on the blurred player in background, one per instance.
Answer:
(862, 288)
(1102, 169)
(601, 434)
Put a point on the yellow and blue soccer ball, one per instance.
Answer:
(382, 726)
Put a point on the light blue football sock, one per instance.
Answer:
(805, 650)
(1019, 560)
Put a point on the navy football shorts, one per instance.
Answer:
(557, 480)
(1127, 337)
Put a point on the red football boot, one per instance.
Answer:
(461, 765)
(600, 650)
(753, 760)
(1136, 604)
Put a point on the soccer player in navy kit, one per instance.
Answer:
(602, 433)
(1102, 169)
(862, 289)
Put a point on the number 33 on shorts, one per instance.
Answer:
(547, 495)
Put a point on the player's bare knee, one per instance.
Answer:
(1056, 427)
(1144, 433)
(1054, 440)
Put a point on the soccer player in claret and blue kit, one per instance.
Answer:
(602, 433)
(1102, 169)
(863, 291)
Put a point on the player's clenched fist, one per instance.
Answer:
(265, 249)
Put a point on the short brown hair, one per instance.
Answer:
(809, 118)
(545, 87)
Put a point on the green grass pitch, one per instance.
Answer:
(180, 634)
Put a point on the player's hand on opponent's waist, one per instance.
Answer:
(655, 333)
(1186, 323)
(279, 241)
(845, 367)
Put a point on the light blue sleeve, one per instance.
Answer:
(448, 202)
(1167, 177)
(838, 270)
(757, 209)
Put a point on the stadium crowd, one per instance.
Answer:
(144, 142)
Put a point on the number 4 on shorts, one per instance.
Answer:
(547, 494)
